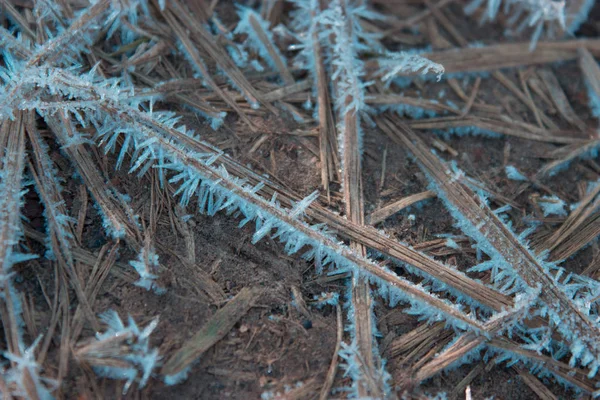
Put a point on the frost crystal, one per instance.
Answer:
(122, 352)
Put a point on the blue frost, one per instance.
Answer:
(552, 205)
(514, 174)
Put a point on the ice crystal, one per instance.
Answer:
(122, 351)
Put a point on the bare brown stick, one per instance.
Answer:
(214, 330)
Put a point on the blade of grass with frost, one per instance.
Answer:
(261, 39)
(311, 58)
(591, 73)
(59, 226)
(578, 16)
(76, 38)
(293, 230)
(146, 265)
(475, 290)
(24, 371)
(23, 376)
(519, 265)
(363, 361)
(122, 351)
(393, 64)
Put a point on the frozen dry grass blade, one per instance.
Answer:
(22, 376)
(121, 352)
(364, 367)
(499, 56)
(369, 237)
(497, 240)
(211, 46)
(491, 127)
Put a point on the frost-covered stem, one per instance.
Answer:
(323, 104)
(256, 27)
(369, 382)
(148, 129)
(60, 229)
(11, 176)
(494, 237)
(118, 222)
(77, 31)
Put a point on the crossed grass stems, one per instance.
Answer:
(71, 102)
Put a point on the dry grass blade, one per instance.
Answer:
(120, 270)
(576, 219)
(98, 275)
(283, 92)
(559, 98)
(392, 99)
(213, 330)
(538, 387)
(505, 127)
(585, 233)
(333, 367)
(567, 154)
(327, 138)
(387, 211)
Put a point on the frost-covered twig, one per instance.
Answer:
(24, 370)
(340, 21)
(122, 351)
(261, 39)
